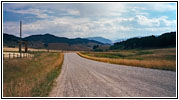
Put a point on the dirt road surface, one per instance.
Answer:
(81, 77)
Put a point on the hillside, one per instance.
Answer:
(48, 38)
(164, 40)
(10, 40)
(100, 39)
(51, 42)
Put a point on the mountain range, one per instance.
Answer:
(100, 39)
(120, 40)
(51, 42)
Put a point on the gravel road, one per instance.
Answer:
(81, 77)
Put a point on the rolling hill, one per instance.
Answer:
(162, 41)
(51, 42)
(10, 40)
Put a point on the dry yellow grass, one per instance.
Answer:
(8, 49)
(17, 49)
(155, 64)
(31, 76)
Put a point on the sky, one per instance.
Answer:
(112, 20)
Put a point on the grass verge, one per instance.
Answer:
(31, 77)
(146, 63)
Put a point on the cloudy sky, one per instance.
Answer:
(109, 20)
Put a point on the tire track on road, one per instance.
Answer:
(81, 77)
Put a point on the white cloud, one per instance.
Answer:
(155, 22)
(92, 19)
(73, 12)
(39, 13)
(163, 7)
(90, 9)
(142, 20)
(157, 7)
(84, 27)
(11, 27)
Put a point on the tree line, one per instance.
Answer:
(164, 40)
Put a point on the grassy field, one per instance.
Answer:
(16, 49)
(164, 59)
(31, 77)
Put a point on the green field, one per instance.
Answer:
(29, 77)
(150, 58)
(150, 54)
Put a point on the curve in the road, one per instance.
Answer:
(81, 77)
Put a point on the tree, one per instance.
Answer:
(95, 47)
(46, 46)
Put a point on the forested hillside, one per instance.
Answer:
(164, 40)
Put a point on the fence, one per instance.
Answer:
(10, 55)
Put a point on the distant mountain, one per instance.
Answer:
(120, 40)
(100, 39)
(53, 42)
(48, 38)
(162, 41)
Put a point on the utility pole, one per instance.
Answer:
(20, 41)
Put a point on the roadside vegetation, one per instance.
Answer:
(31, 77)
(164, 59)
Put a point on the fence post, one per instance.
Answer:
(9, 56)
